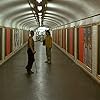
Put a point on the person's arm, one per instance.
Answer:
(50, 42)
(30, 44)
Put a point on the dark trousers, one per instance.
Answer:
(30, 59)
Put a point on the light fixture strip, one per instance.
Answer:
(39, 1)
(39, 8)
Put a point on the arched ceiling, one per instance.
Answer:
(21, 14)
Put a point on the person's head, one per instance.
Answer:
(32, 33)
(47, 32)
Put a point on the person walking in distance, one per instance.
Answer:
(30, 52)
(48, 44)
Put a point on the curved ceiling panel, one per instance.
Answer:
(27, 25)
(68, 6)
(19, 13)
(8, 5)
(10, 15)
(56, 18)
(62, 18)
(13, 9)
(50, 23)
(57, 21)
(25, 21)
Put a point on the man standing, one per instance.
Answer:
(30, 52)
(48, 44)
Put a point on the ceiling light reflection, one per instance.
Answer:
(39, 1)
(39, 8)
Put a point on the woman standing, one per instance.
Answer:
(48, 44)
(30, 52)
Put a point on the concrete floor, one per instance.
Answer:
(62, 80)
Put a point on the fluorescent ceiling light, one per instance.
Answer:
(33, 11)
(39, 13)
(32, 5)
(43, 28)
(38, 1)
(45, 5)
(40, 21)
(51, 5)
(39, 8)
(40, 16)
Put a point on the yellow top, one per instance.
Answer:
(48, 41)
(31, 43)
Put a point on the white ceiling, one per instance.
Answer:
(18, 14)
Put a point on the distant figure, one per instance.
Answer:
(48, 44)
(30, 52)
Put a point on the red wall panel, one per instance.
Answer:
(7, 41)
(57, 36)
(71, 40)
(64, 39)
(81, 44)
(0, 43)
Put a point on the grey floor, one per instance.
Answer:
(62, 80)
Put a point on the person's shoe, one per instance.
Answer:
(49, 62)
(26, 67)
(46, 61)
(31, 72)
(28, 72)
